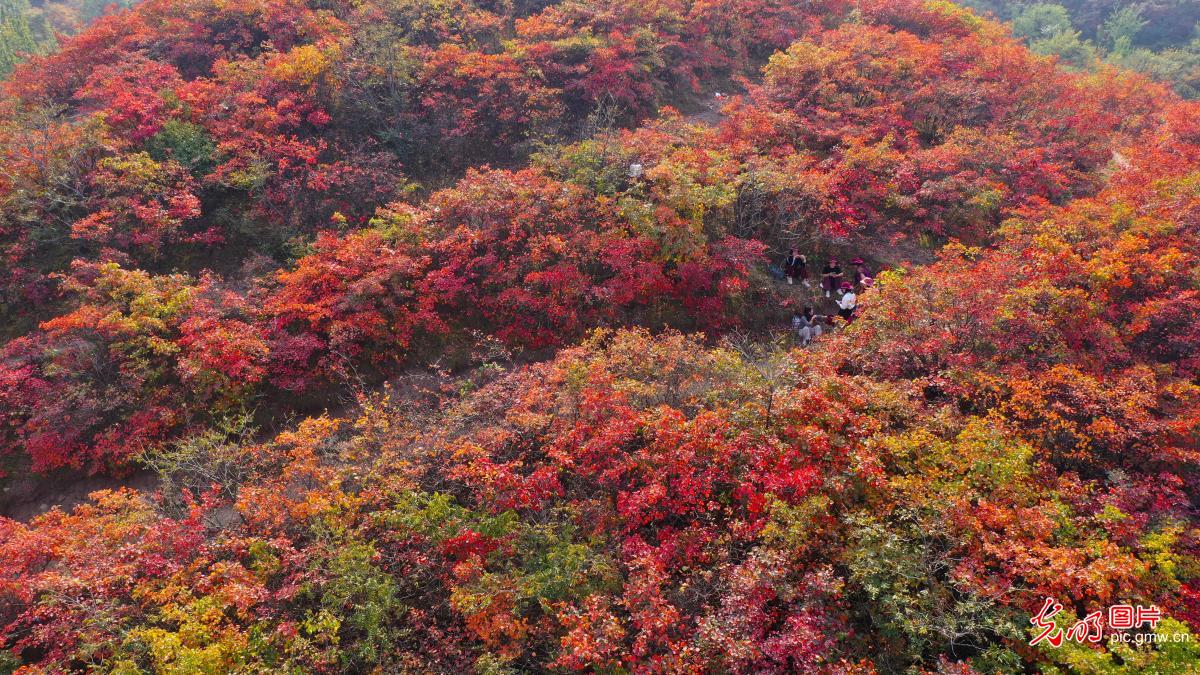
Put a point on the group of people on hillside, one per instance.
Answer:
(834, 282)
(795, 267)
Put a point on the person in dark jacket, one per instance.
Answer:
(795, 266)
(831, 276)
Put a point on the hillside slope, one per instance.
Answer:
(217, 218)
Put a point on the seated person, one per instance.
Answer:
(795, 266)
(831, 276)
(807, 325)
(847, 301)
(862, 275)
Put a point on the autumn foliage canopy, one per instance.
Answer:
(446, 331)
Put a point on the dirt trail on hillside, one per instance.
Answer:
(708, 107)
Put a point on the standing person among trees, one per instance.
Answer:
(847, 301)
(795, 266)
(831, 276)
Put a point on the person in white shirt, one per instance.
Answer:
(847, 301)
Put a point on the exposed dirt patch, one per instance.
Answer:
(26, 496)
(897, 252)
(709, 116)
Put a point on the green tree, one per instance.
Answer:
(185, 143)
(16, 38)
(902, 565)
(1068, 46)
(1041, 22)
(1121, 28)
